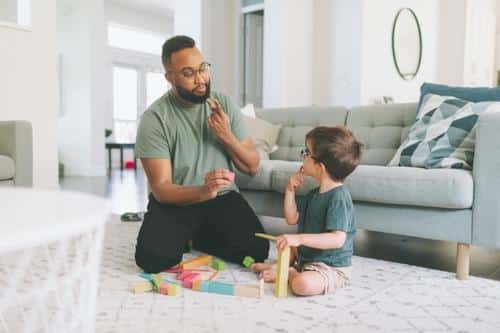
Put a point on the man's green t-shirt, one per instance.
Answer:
(324, 212)
(180, 133)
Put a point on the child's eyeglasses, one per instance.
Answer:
(306, 152)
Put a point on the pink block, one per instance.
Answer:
(184, 275)
(230, 176)
(188, 281)
(164, 288)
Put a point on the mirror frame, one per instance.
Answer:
(408, 76)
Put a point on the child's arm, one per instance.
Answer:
(324, 241)
(289, 205)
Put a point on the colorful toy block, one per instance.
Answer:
(187, 282)
(230, 176)
(250, 290)
(196, 262)
(164, 288)
(157, 281)
(174, 290)
(218, 264)
(220, 288)
(248, 261)
(281, 285)
(184, 275)
(143, 287)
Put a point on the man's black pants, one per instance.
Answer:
(223, 227)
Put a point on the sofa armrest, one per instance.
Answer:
(486, 172)
(16, 141)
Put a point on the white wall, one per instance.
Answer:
(162, 24)
(451, 46)
(188, 19)
(82, 45)
(219, 39)
(28, 86)
(288, 55)
(379, 76)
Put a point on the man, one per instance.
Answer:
(188, 141)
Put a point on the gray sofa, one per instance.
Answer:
(442, 204)
(16, 153)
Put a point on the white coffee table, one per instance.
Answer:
(50, 251)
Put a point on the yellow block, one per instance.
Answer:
(265, 236)
(197, 285)
(173, 290)
(143, 287)
(196, 262)
(256, 291)
(281, 286)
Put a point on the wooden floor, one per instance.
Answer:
(127, 192)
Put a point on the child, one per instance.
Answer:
(321, 251)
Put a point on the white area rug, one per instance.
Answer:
(382, 296)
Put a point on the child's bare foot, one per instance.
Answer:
(269, 275)
(260, 266)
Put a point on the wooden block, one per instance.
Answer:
(220, 288)
(174, 290)
(173, 270)
(164, 288)
(197, 285)
(218, 264)
(143, 287)
(265, 236)
(248, 261)
(281, 285)
(188, 281)
(157, 281)
(146, 276)
(196, 262)
(184, 275)
(247, 291)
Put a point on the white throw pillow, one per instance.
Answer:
(263, 133)
(249, 111)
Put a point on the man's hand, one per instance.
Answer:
(296, 180)
(288, 240)
(214, 182)
(218, 121)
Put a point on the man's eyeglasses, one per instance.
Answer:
(306, 152)
(190, 72)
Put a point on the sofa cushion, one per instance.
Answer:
(297, 122)
(7, 168)
(382, 129)
(440, 188)
(444, 133)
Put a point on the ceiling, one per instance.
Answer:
(165, 7)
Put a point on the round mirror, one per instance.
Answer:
(406, 43)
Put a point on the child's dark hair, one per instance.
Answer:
(337, 148)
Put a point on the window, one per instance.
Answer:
(15, 12)
(129, 38)
(125, 88)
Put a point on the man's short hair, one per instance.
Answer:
(337, 148)
(175, 44)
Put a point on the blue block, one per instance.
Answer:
(146, 276)
(221, 288)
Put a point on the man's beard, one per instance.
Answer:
(190, 96)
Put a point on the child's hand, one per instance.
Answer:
(287, 240)
(296, 180)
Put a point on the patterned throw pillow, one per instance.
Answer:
(443, 135)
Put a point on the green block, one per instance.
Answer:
(157, 281)
(248, 261)
(218, 264)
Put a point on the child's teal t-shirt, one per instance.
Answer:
(324, 212)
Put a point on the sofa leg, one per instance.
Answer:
(463, 260)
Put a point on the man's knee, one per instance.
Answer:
(152, 263)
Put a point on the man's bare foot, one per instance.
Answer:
(260, 266)
(269, 275)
